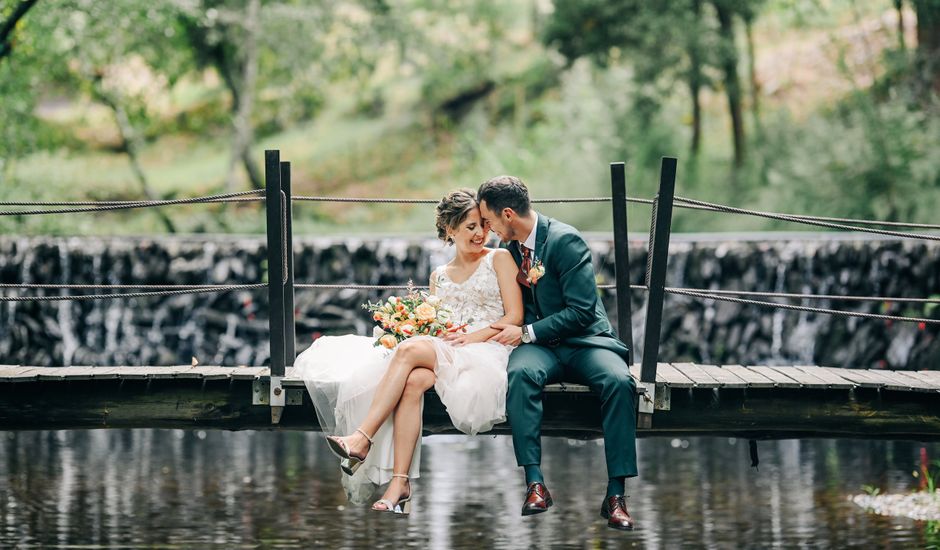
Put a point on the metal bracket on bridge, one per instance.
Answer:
(663, 398)
(647, 398)
(653, 399)
(278, 398)
(261, 393)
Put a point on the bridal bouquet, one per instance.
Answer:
(416, 313)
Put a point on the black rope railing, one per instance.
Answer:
(833, 297)
(808, 220)
(681, 202)
(125, 295)
(791, 307)
(722, 295)
(687, 204)
(380, 200)
(128, 205)
(39, 286)
(353, 286)
(155, 202)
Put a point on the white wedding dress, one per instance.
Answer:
(342, 373)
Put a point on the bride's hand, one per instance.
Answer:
(458, 339)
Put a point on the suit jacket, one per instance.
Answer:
(563, 306)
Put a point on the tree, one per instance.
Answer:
(928, 41)
(8, 26)
(728, 62)
(101, 48)
(663, 41)
(695, 79)
(215, 31)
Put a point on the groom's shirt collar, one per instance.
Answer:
(529, 241)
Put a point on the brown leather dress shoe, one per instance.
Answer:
(614, 510)
(537, 499)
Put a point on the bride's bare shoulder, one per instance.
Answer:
(502, 257)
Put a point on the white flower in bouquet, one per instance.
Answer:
(443, 316)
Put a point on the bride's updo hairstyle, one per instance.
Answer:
(453, 210)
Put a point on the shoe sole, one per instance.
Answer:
(337, 449)
(534, 511)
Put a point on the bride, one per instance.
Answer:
(373, 398)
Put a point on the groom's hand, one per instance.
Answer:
(509, 335)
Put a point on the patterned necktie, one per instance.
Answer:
(523, 276)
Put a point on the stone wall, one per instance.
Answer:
(231, 328)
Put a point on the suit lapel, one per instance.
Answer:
(541, 235)
(513, 248)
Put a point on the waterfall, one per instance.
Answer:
(776, 344)
(232, 327)
(66, 327)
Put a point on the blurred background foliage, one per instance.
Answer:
(826, 107)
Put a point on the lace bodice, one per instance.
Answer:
(477, 300)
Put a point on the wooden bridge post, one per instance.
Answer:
(290, 330)
(275, 209)
(656, 283)
(618, 187)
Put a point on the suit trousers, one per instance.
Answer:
(533, 366)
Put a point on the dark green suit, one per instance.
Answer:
(574, 343)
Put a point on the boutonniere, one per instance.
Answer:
(535, 272)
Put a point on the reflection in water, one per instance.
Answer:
(188, 488)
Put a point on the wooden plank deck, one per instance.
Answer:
(779, 379)
(752, 378)
(677, 375)
(756, 402)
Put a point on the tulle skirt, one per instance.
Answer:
(342, 374)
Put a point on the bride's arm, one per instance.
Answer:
(510, 293)
(433, 287)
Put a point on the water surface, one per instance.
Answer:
(180, 489)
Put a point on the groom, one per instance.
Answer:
(566, 336)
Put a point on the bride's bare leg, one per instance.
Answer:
(411, 354)
(407, 431)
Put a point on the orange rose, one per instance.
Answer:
(425, 312)
(388, 341)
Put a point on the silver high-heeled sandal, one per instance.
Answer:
(402, 508)
(348, 462)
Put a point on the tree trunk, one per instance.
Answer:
(244, 134)
(9, 26)
(130, 146)
(752, 75)
(928, 40)
(695, 81)
(729, 67)
(899, 7)
(221, 55)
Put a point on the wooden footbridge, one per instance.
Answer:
(756, 402)
(749, 402)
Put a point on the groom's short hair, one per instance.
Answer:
(505, 192)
